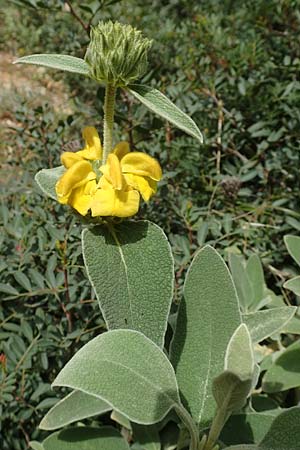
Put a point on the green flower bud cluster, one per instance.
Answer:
(117, 53)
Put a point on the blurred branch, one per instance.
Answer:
(85, 26)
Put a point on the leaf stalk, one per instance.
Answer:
(191, 426)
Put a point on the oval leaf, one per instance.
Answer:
(128, 371)
(86, 438)
(131, 269)
(47, 179)
(249, 428)
(293, 245)
(208, 316)
(293, 326)
(293, 285)
(35, 445)
(230, 392)
(75, 406)
(241, 280)
(162, 106)
(284, 432)
(61, 62)
(285, 371)
(263, 324)
(256, 277)
(146, 436)
(239, 354)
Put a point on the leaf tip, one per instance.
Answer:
(42, 425)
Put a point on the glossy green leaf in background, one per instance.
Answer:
(162, 106)
(47, 179)
(61, 62)
(208, 316)
(75, 406)
(126, 370)
(262, 324)
(285, 371)
(86, 438)
(131, 269)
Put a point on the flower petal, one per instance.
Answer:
(80, 173)
(121, 149)
(109, 202)
(93, 148)
(144, 185)
(80, 201)
(69, 158)
(112, 171)
(142, 164)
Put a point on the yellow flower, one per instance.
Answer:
(126, 175)
(78, 184)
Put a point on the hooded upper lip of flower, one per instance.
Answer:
(125, 175)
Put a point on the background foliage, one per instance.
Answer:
(232, 67)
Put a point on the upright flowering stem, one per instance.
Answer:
(109, 108)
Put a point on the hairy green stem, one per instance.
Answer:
(191, 426)
(108, 122)
(216, 428)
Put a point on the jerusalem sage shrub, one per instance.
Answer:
(211, 371)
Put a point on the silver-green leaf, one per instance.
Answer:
(126, 370)
(75, 406)
(284, 373)
(35, 445)
(293, 245)
(239, 354)
(248, 427)
(208, 316)
(230, 392)
(293, 285)
(146, 436)
(262, 324)
(47, 179)
(61, 62)
(242, 281)
(131, 269)
(86, 438)
(284, 433)
(162, 106)
(255, 274)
